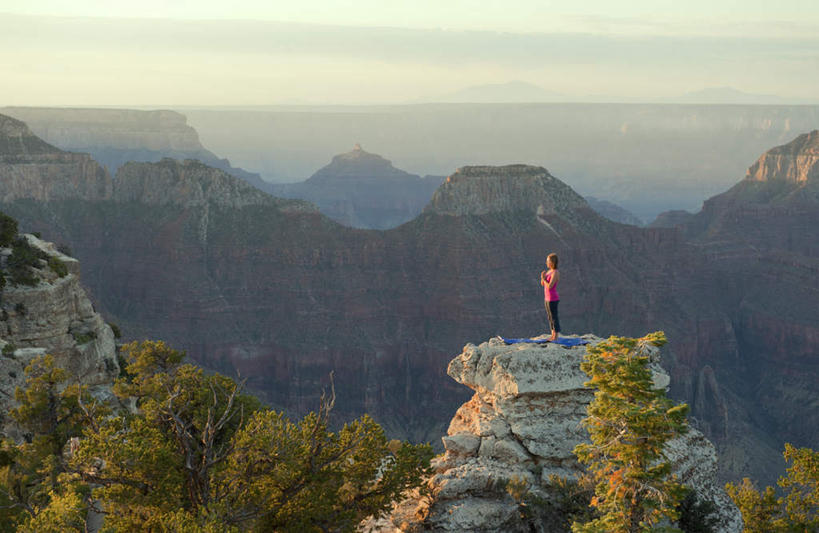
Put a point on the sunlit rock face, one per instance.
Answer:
(795, 162)
(522, 423)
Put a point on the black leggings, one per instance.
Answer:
(551, 315)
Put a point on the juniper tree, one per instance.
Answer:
(629, 421)
(204, 456)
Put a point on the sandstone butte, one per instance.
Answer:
(278, 292)
(522, 422)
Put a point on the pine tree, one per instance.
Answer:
(795, 512)
(629, 421)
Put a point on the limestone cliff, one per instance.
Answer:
(53, 316)
(32, 168)
(115, 136)
(523, 422)
(189, 183)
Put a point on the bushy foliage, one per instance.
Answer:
(197, 455)
(58, 267)
(697, 515)
(629, 421)
(8, 230)
(115, 330)
(560, 503)
(796, 511)
(23, 258)
(84, 338)
(32, 473)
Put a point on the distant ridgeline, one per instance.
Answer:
(277, 291)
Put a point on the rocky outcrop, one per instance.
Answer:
(54, 316)
(363, 190)
(522, 423)
(31, 168)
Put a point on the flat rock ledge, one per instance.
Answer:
(523, 422)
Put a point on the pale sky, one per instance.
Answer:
(202, 52)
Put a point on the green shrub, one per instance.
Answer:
(20, 307)
(8, 349)
(697, 515)
(116, 330)
(84, 338)
(563, 502)
(23, 258)
(58, 267)
(8, 230)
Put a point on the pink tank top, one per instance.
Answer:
(551, 295)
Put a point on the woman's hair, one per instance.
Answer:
(553, 259)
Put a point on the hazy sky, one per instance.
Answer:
(202, 52)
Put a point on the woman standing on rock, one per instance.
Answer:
(549, 279)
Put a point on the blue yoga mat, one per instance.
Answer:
(563, 341)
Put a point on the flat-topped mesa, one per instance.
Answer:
(127, 129)
(480, 190)
(190, 183)
(796, 162)
(523, 423)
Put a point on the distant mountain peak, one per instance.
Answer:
(794, 162)
(357, 164)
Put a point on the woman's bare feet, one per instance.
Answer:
(554, 336)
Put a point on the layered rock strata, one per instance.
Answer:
(32, 168)
(53, 317)
(522, 423)
(114, 137)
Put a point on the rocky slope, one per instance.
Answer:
(115, 136)
(363, 190)
(522, 423)
(284, 295)
(52, 316)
